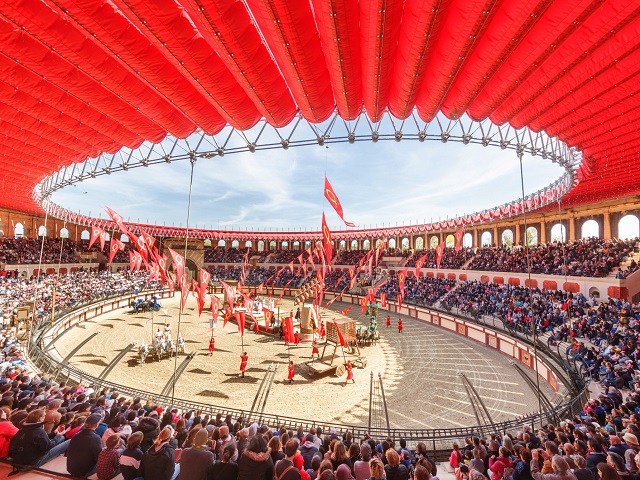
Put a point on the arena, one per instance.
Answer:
(211, 267)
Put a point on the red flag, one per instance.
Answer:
(178, 263)
(345, 311)
(214, 307)
(289, 335)
(268, 315)
(380, 249)
(138, 242)
(231, 294)
(439, 253)
(154, 273)
(340, 337)
(383, 300)
(420, 264)
(371, 265)
(248, 304)
(459, 234)
(95, 234)
(115, 246)
(326, 236)
(103, 238)
(184, 290)
(399, 302)
(402, 276)
(240, 318)
(132, 260)
(260, 288)
(118, 220)
(333, 199)
(363, 305)
(148, 240)
(205, 276)
(138, 259)
(227, 316)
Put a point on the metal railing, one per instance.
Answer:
(434, 437)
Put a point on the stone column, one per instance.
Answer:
(517, 233)
(543, 232)
(606, 226)
(572, 228)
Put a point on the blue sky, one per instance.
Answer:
(378, 184)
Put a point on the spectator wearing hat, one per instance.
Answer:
(196, 463)
(32, 446)
(632, 442)
(84, 448)
(109, 458)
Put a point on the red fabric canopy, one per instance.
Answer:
(83, 77)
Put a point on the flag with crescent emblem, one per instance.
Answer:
(178, 263)
(231, 294)
(268, 315)
(118, 220)
(333, 199)
(402, 277)
(214, 307)
(420, 264)
(115, 247)
(399, 299)
(326, 240)
(439, 253)
(95, 234)
(185, 287)
(459, 234)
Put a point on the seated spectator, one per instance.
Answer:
(394, 470)
(32, 446)
(7, 431)
(84, 448)
(196, 463)
(108, 464)
(131, 457)
(256, 464)
(157, 462)
(225, 469)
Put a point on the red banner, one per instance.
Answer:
(326, 236)
(383, 300)
(268, 315)
(95, 234)
(185, 287)
(340, 337)
(178, 263)
(231, 294)
(402, 276)
(240, 318)
(458, 235)
(420, 264)
(333, 199)
(439, 253)
(214, 307)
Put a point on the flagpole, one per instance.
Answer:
(182, 299)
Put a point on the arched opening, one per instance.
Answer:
(433, 243)
(107, 237)
(507, 238)
(354, 244)
(366, 244)
(207, 242)
(378, 242)
(272, 245)
(467, 240)
(42, 231)
(594, 292)
(590, 229)
(307, 244)
(222, 243)
(450, 241)
(85, 235)
(486, 239)
(124, 238)
(261, 246)
(419, 243)
(392, 244)
(284, 246)
(558, 233)
(248, 244)
(628, 227)
(405, 244)
(18, 231)
(296, 245)
(343, 245)
(532, 236)
(235, 244)
(64, 233)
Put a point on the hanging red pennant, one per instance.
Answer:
(268, 315)
(289, 334)
(248, 304)
(326, 240)
(240, 318)
(363, 305)
(402, 276)
(345, 311)
(184, 290)
(459, 234)
(115, 247)
(340, 337)
(383, 300)
(226, 317)
(439, 253)
(95, 234)
(118, 220)
(333, 199)
(420, 264)
(231, 294)
(399, 299)
(214, 307)
(205, 276)
(132, 261)
(178, 263)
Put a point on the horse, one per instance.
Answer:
(143, 352)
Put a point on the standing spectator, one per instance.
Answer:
(197, 462)
(131, 457)
(32, 446)
(84, 448)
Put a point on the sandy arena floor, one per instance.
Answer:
(419, 370)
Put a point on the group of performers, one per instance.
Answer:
(400, 327)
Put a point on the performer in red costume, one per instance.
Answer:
(243, 362)
(256, 329)
(291, 371)
(349, 374)
(388, 321)
(315, 351)
(296, 338)
(399, 325)
(212, 346)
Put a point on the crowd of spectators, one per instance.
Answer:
(286, 256)
(450, 259)
(224, 255)
(583, 258)
(24, 250)
(423, 291)
(350, 257)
